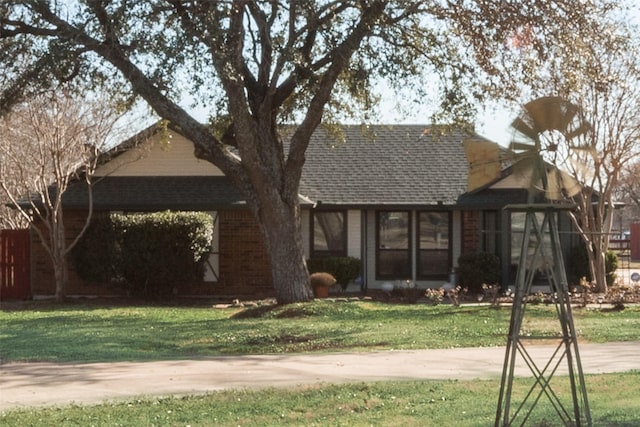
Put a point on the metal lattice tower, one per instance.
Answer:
(541, 247)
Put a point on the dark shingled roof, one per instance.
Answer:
(156, 193)
(386, 165)
(378, 165)
(493, 198)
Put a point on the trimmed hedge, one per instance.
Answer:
(344, 269)
(96, 257)
(478, 268)
(151, 254)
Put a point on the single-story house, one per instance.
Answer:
(395, 196)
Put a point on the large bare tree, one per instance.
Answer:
(257, 64)
(46, 144)
(602, 79)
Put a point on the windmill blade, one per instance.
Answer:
(561, 185)
(554, 185)
(551, 113)
(522, 146)
(548, 114)
(484, 162)
(570, 185)
(582, 128)
(526, 129)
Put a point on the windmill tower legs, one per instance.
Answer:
(541, 251)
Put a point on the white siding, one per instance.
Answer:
(456, 237)
(305, 227)
(354, 234)
(160, 157)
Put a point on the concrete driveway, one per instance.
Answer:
(38, 384)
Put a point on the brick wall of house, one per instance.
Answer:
(470, 231)
(244, 264)
(42, 279)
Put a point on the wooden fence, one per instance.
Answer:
(15, 282)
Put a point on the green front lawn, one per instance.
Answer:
(612, 399)
(90, 332)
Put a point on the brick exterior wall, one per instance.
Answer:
(42, 280)
(244, 264)
(470, 231)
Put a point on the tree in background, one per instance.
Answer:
(602, 79)
(629, 193)
(46, 144)
(254, 65)
(10, 219)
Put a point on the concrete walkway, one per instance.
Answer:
(37, 384)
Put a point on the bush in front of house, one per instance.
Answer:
(610, 267)
(579, 265)
(161, 251)
(478, 268)
(96, 256)
(344, 269)
(151, 253)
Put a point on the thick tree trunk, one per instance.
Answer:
(280, 226)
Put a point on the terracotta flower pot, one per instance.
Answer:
(321, 282)
(321, 291)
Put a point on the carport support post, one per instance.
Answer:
(535, 254)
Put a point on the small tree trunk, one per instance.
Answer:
(61, 277)
(58, 256)
(599, 272)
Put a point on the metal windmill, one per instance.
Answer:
(547, 126)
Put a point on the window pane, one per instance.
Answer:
(433, 245)
(518, 220)
(433, 263)
(394, 230)
(490, 232)
(393, 255)
(329, 232)
(434, 230)
(394, 264)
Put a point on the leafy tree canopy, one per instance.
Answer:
(262, 63)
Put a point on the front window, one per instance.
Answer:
(434, 254)
(544, 255)
(329, 233)
(491, 232)
(394, 245)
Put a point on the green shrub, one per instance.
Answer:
(478, 268)
(163, 250)
(96, 257)
(344, 269)
(579, 265)
(151, 253)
